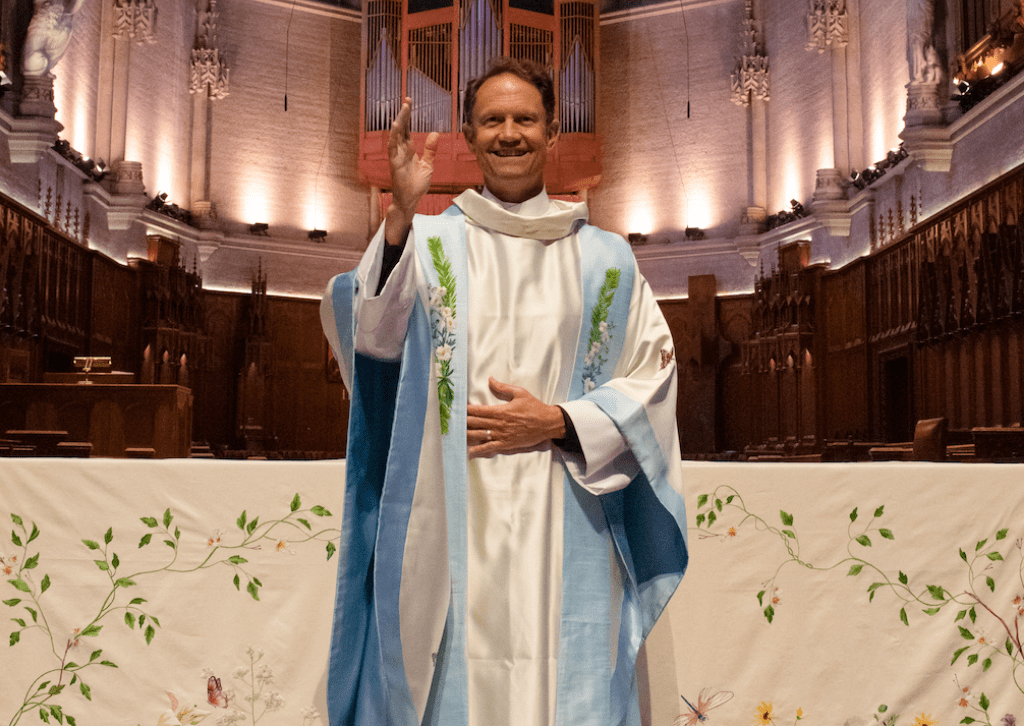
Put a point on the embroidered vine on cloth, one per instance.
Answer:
(46, 693)
(972, 598)
(599, 330)
(442, 328)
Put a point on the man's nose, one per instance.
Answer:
(509, 130)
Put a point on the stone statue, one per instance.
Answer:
(926, 67)
(49, 34)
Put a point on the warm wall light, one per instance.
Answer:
(998, 68)
(317, 235)
(259, 228)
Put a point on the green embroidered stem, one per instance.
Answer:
(599, 330)
(442, 325)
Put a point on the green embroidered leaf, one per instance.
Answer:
(700, 519)
(1001, 534)
(71, 720)
(331, 549)
(44, 585)
(787, 518)
(304, 523)
(252, 590)
(149, 521)
(728, 499)
(965, 633)
(718, 504)
(967, 719)
(102, 564)
(108, 664)
(980, 545)
(114, 561)
(864, 541)
(903, 616)
(769, 613)
(886, 533)
(931, 611)
(320, 511)
(296, 502)
(145, 540)
(995, 556)
(973, 614)
(137, 601)
(960, 616)
(90, 544)
(33, 613)
(155, 620)
(44, 715)
(123, 582)
(237, 581)
(936, 592)
(241, 520)
(712, 518)
(702, 500)
(177, 533)
(237, 560)
(963, 555)
(32, 562)
(19, 621)
(92, 630)
(760, 597)
(903, 578)
(958, 653)
(15, 538)
(853, 515)
(1009, 647)
(12, 602)
(35, 533)
(986, 664)
(86, 691)
(880, 511)
(95, 654)
(167, 518)
(252, 525)
(129, 619)
(789, 534)
(20, 584)
(991, 584)
(854, 570)
(169, 543)
(17, 520)
(150, 632)
(984, 702)
(108, 536)
(15, 637)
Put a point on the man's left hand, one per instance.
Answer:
(521, 424)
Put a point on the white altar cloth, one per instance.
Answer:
(939, 538)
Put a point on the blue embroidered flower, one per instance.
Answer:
(442, 329)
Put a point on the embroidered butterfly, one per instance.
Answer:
(705, 702)
(666, 358)
(215, 694)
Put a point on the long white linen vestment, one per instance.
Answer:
(523, 326)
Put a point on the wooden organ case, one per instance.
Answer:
(430, 49)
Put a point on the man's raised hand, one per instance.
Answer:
(410, 175)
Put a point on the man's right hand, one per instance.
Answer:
(410, 175)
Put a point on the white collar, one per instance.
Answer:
(559, 221)
(536, 206)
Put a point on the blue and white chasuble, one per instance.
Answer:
(516, 589)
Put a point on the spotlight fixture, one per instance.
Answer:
(259, 228)
(693, 233)
(637, 238)
(317, 235)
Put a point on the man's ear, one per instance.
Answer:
(467, 132)
(552, 133)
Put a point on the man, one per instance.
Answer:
(513, 523)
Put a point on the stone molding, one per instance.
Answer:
(135, 19)
(828, 24)
(751, 77)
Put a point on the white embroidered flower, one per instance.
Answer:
(448, 317)
(240, 673)
(603, 327)
(282, 546)
(436, 296)
(254, 653)
(228, 718)
(207, 674)
(588, 359)
(437, 368)
(310, 713)
(588, 384)
(274, 701)
(595, 347)
(264, 674)
(443, 352)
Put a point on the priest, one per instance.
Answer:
(513, 521)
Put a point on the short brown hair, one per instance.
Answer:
(530, 71)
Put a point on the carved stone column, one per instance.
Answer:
(37, 97)
(750, 88)
(209, 81)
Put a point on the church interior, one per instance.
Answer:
(825, 196)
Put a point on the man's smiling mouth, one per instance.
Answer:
(509, 152)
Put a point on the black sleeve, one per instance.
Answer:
(392, 254)
(570, 443)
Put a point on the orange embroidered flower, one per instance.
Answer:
(763, 714)
(924, 720)
(731, 532)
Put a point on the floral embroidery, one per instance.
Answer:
(596, 355)
(442, 329)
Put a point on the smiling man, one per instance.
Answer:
(513, 519)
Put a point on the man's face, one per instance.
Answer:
(510, 136)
